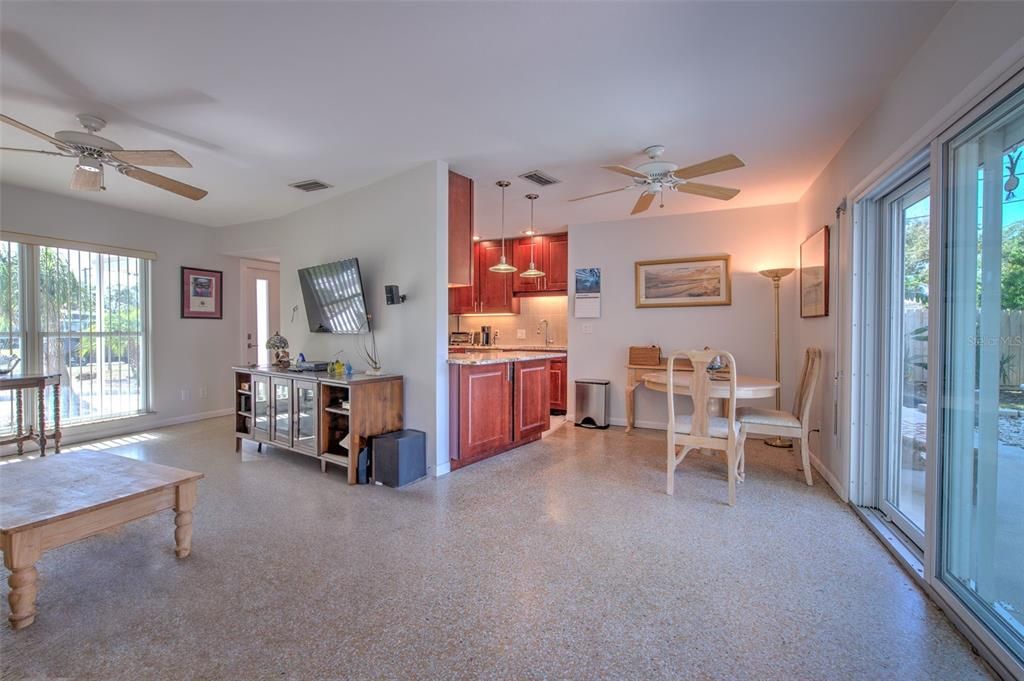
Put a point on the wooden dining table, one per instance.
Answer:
(747, 387)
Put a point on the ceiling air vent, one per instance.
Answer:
(310, 185)
(538, 177)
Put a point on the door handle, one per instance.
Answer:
(251, 345)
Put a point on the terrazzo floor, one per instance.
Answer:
(562, 560)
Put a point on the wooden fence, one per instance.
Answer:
(1011, 345)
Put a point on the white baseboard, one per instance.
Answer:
(832, 481)
(442, 469)
(653, 425)
(72, 435)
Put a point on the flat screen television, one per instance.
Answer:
(333, 295)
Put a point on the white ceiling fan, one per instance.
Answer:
(93, 152)
(656, 177)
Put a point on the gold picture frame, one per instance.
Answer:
(684, 282)
(814, 274)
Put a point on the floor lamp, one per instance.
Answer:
(776, 275)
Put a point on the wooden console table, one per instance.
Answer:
(46, 503)
(20, 382)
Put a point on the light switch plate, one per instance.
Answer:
(520, 334)
(588, 328)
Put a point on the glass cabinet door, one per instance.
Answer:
(282, 410)
(261, 407)
(305, 416)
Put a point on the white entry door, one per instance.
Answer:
(261, 309)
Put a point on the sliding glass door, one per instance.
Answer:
(905, 225)
(980, 550)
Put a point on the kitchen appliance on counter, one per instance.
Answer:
(460, 338)
(485, 335)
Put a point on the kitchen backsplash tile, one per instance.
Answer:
(532, 310)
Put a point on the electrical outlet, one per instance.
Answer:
(202, 392)
(588, 328)
(186, 395)
(520, 334)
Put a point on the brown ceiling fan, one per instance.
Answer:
(656, 177)
(93, 152)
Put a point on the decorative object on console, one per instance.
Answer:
(814, 256)
(503, 267)
(645, 355)
(202, 294)
(8, 362)
(371, 355)
(777, 275)
(684, 282)
(279, 344)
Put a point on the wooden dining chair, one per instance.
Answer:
(700, 430)
(795, 424)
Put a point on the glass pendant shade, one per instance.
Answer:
(533, 272)
(503, 267)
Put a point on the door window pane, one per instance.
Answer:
(11, 341)
(982, 545)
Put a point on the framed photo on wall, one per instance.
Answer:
(684, 282)
(202, 293)
(814, 274)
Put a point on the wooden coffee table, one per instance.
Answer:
(52, 501)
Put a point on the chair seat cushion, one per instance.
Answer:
(718, 426)
(766, 417)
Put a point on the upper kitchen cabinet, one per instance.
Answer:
(460, 230)
(551, 254)
(495, 289)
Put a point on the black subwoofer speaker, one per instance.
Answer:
(399, 457)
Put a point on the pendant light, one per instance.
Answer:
(533, 272)
(503, 267)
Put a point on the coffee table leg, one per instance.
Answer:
(42, 420)
(56, 417)
(183, 518)
(20, 556)
(20, 412)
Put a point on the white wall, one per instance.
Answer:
(188, 354)
(973, 44)
(398, 228)
(756, 238)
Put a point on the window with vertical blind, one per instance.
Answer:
(76, 310)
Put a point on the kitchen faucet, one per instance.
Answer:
(547, 339)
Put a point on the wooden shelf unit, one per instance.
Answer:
(281, 403)
(243, 406)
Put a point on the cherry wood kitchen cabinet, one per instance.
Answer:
(494, 289)
(496, 407)
(460, 231)
(551, 254)
(462, 300)
(559, 379)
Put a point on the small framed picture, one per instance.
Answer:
(814, 274)
(684, 282)
(202, 293)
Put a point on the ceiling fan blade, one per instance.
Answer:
(166, 158)
(643, 203)
(610, 191)
(624, 170)
(715, 165)
(709, 190)
(166, 183)
(86, 180)
(32, 131)
(34, 151)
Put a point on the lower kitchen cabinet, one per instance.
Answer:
(532, 409)
(559, 379)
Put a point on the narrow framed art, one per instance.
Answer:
(814, 274)
(684, 282)
(202, 293)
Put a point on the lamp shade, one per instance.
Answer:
(277, 342)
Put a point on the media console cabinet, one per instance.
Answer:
(312, 413)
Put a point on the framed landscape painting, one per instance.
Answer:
(202, 293)
(814, 275)
(684, 282)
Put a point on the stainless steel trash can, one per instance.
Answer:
(592, 398)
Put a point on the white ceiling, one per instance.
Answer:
(257, 95)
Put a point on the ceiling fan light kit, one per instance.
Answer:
(503, 267)
(533, 272)
(656, 177)
(93, 152)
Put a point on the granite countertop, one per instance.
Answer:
(320, 376)
(499, 357)
(523, 348)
